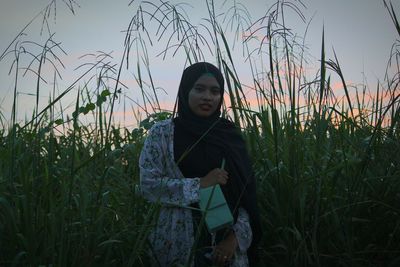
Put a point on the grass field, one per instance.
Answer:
(328, 165)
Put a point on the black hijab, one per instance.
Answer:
(219, 138)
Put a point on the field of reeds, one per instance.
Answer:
(327, 163)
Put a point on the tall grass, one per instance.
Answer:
(328, 167)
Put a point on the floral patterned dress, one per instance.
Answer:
(162, 181)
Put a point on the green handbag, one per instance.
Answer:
(214, 207)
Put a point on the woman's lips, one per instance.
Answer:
(205, 106)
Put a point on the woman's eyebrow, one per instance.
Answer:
(203, 85)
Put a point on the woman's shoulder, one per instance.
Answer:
(227, 122)
(163, 123)
(229, 125)
(162, 126)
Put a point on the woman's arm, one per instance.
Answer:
(242, 230)
(155, 183)
(239, 238)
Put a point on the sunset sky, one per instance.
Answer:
(360, 31)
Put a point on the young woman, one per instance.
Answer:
(184, 154)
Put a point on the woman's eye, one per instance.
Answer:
(215, 91)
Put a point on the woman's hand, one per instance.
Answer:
(225, 250)
(214, 177)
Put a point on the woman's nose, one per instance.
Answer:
(207, 95)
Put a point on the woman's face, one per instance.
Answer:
(205, 95)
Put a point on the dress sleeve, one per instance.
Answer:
(242, 230)
(155, 184)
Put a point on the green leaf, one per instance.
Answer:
(146, 124)
(100, 100)
(105, 93)
(90, 106)
(111, 241)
